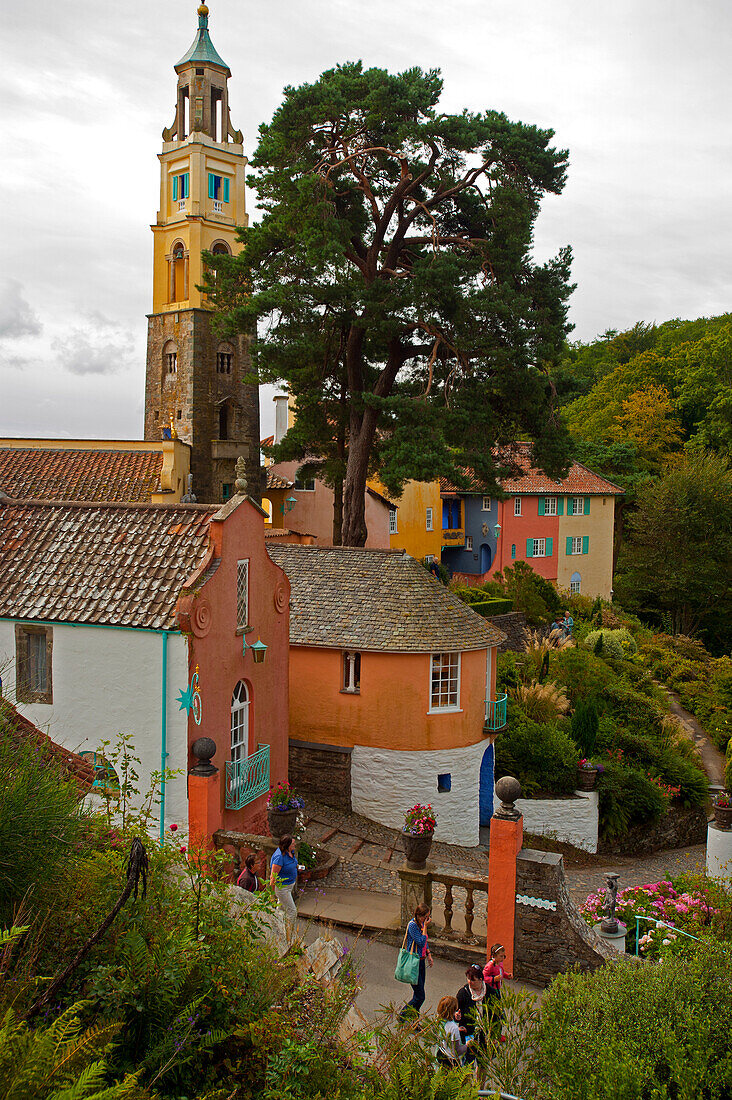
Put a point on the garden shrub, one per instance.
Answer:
(487, 607)
(529, 592)
(632, 706)
(585, 724)
(541, 756)
(618, 644)
(628, 797)
(541, 702)
(583, 674)
(640, 1031)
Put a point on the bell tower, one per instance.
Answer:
(195, 386)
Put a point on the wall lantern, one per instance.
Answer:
(259, 650)
(497, 530)
(244, 646)
(289, 504)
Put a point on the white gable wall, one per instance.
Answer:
(108, 681)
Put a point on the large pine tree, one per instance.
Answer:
(391, 282)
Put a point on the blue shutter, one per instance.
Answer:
(542, 506)
(186, 179)
(513, 550)
(587, 506)
(211, 185)
(560, 506)
(549, 547)
(175, 188)
(569, 544)
(585, 544)
(226, 189)
(529, 548)
(445, 516)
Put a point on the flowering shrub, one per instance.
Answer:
(282, 797)
(420, 819)
(585, 764)
(691, 910)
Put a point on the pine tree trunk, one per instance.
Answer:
(338, 513)
(354, 531)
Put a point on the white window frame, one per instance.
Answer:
(578, 506)
(351, 672)
(468, 542)
(451, 693)
(305, 485)
(517, 506)
(393, 522)
(486, 505)
(576, 544)
(429, 519)
(239, 727)
(539, 548)
(575, 586)
(242, 594)
(550, 506)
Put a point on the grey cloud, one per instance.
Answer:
(86, 351)
(17, 318)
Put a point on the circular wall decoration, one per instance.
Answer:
(201, 618)
(280, 596)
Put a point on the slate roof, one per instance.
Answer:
(375, 600)
(579, 480)
(19, 729)
(47, 473)
(99, 563)
(202, 48)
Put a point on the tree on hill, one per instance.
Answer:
(392, 267)
(677, 560)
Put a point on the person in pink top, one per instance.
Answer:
(493, 974)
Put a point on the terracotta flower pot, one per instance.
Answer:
(417, 848)
(723, 816)
(586, 779)
(282, 822)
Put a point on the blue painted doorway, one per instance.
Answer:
(485, 557)
(487, 765)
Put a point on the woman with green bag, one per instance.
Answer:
(416, 945)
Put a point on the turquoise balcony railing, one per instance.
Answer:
(495, 713)
(247, 779)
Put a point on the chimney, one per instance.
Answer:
(280, 431)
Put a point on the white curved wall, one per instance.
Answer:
(719, 852)
(386, 782)
(572, 820)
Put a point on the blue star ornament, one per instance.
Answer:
(185, 698)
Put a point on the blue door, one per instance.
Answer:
(485, 557)
(486, 786)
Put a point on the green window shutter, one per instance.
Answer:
(560, 506)
(542, 506)
(513, 550)
(226, 189)
(585, 544)
(549, 547)
(587, 506)
(569, 544)
(529, 548)
(186, 179)
(175, 188)
(211, 185)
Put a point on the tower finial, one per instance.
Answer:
(241, 475)
(203, 15)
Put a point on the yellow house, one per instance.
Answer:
(415, 525)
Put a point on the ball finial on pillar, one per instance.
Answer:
(508, 790)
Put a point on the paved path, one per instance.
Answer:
(712, 759)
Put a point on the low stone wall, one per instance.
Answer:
(513, 626)
(550, 935)
(679, 828)
(323, 771)
(572, 820)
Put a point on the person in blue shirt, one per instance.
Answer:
(417, 937)
(283, 876)
(567, 625)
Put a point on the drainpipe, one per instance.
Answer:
(163, 736)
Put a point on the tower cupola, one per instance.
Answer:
(203, 98)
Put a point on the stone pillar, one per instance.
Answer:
(719, 852)
(505, 844)
(416, 890)
(204, 796)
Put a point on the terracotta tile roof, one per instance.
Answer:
(20, 729)
(99, 563)
(40, 473)
(375, 600)
(274, 481)
(268, 441)
(282, 532)
(579, 479)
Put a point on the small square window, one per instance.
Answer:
(392, 521)
(444, 782)
(486, 507)
(33, 653)
(577, 505)
(577, 545)
(242, 594)
(550, 506)
(227, 490)
(539, 548)
(429, 519)
(468, 542)
(517, 506)
(305, 484)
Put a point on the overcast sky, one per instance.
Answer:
(639, 91)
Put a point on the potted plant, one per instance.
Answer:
(283, 806)
(722, 806)
(307, 857)
(418, 834)
(586, 774)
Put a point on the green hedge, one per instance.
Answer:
(492, 607)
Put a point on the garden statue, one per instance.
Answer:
(610, 923)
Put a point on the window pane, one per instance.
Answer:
(445, 674)
(242, 593)
(36, 657)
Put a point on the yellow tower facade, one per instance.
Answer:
(195, 386)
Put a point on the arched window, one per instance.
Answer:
(239, 723)
(224, 359)
(220, 248)
(170, 359)
(575, 582)
(179, 273)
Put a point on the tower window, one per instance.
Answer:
(181, 186)
(171, 362)
(224, 360)
(218, 187)
(199, 72)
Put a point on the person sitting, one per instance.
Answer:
(247, 879)
(451, 1049)
(567, 625)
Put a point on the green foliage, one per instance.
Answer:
(61, 1061)
(702, 681)
(627, 798)
(541, 756)
(529, 592)
(640, 1031)
(617, 644)
(381, 215)
(585, 723)
(492, 607)
(41, 819)
(583, 674)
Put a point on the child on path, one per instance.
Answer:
(493, 974)
(451, 1049)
